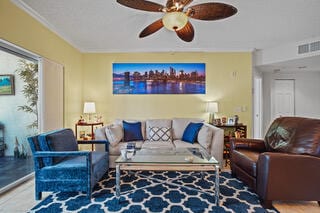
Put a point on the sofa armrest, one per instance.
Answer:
(100, 135)
(246, 143)
(217, 144)
(289, 176)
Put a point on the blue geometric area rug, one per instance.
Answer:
(141, 194)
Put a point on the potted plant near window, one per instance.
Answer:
(28, 72)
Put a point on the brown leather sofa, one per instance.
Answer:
(283, 166)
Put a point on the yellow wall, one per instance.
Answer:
(21, 29)
(89, 76)
(229, 91)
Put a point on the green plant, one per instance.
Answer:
(28, 72)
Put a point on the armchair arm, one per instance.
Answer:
(246, 143)
(289, 176)
(41, 154)
(46, 154)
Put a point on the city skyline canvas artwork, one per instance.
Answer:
(159, 78)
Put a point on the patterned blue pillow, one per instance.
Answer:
(132, 131)
(191, 132)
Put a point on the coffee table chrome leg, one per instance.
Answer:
(118, 181)
(217, 186)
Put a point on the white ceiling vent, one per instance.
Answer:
(304, 48)
(311, 47)
(315, 46)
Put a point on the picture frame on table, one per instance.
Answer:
(230, 121)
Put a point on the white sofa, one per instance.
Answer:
(209, 137)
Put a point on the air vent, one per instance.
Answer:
(311, 47)
(303, 48)
(315, 46)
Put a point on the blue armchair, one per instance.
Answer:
(60, 166)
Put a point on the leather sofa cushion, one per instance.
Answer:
(294, 135)
(246, 160)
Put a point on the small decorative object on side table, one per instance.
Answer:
(83, 137)
(236, 131)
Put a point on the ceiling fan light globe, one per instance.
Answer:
(175, 20)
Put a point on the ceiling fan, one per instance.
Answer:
(176, 17)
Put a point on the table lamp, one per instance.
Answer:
(89, 108)
(212, 107)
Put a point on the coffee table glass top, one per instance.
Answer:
(170, 156)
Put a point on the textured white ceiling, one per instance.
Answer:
(106, 26)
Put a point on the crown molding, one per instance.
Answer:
(44, 22)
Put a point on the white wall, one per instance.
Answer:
(284, 52)
(15, 121)
(307, 94)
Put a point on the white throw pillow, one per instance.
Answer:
(205, 137)
(160, 134)
(157, 123)
(114, 134)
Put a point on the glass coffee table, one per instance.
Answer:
(184, 159)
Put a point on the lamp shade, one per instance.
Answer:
(89, 107)
(212, 107)
(175, 20)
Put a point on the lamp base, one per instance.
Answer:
(211, 119)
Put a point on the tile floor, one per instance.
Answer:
(14, 168)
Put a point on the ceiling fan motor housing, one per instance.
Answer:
(175, 20)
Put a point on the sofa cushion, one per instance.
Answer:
(190, 134)
(132, 131)
(157, 145)
(115, 150)
(205, 137)
(57, 140)
(182, 144)
(179, 125)
(114, 134)
(76, 167)
(159, 134)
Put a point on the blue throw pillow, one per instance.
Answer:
(132, 131)
(191, 132)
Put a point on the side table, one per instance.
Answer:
(89, 125)
(232, 131)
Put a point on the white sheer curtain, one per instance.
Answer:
(51, 97)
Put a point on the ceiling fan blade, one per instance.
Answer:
(211, 11)
(181, 3)
(142, 5)
(152, 28)
(186, 33)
